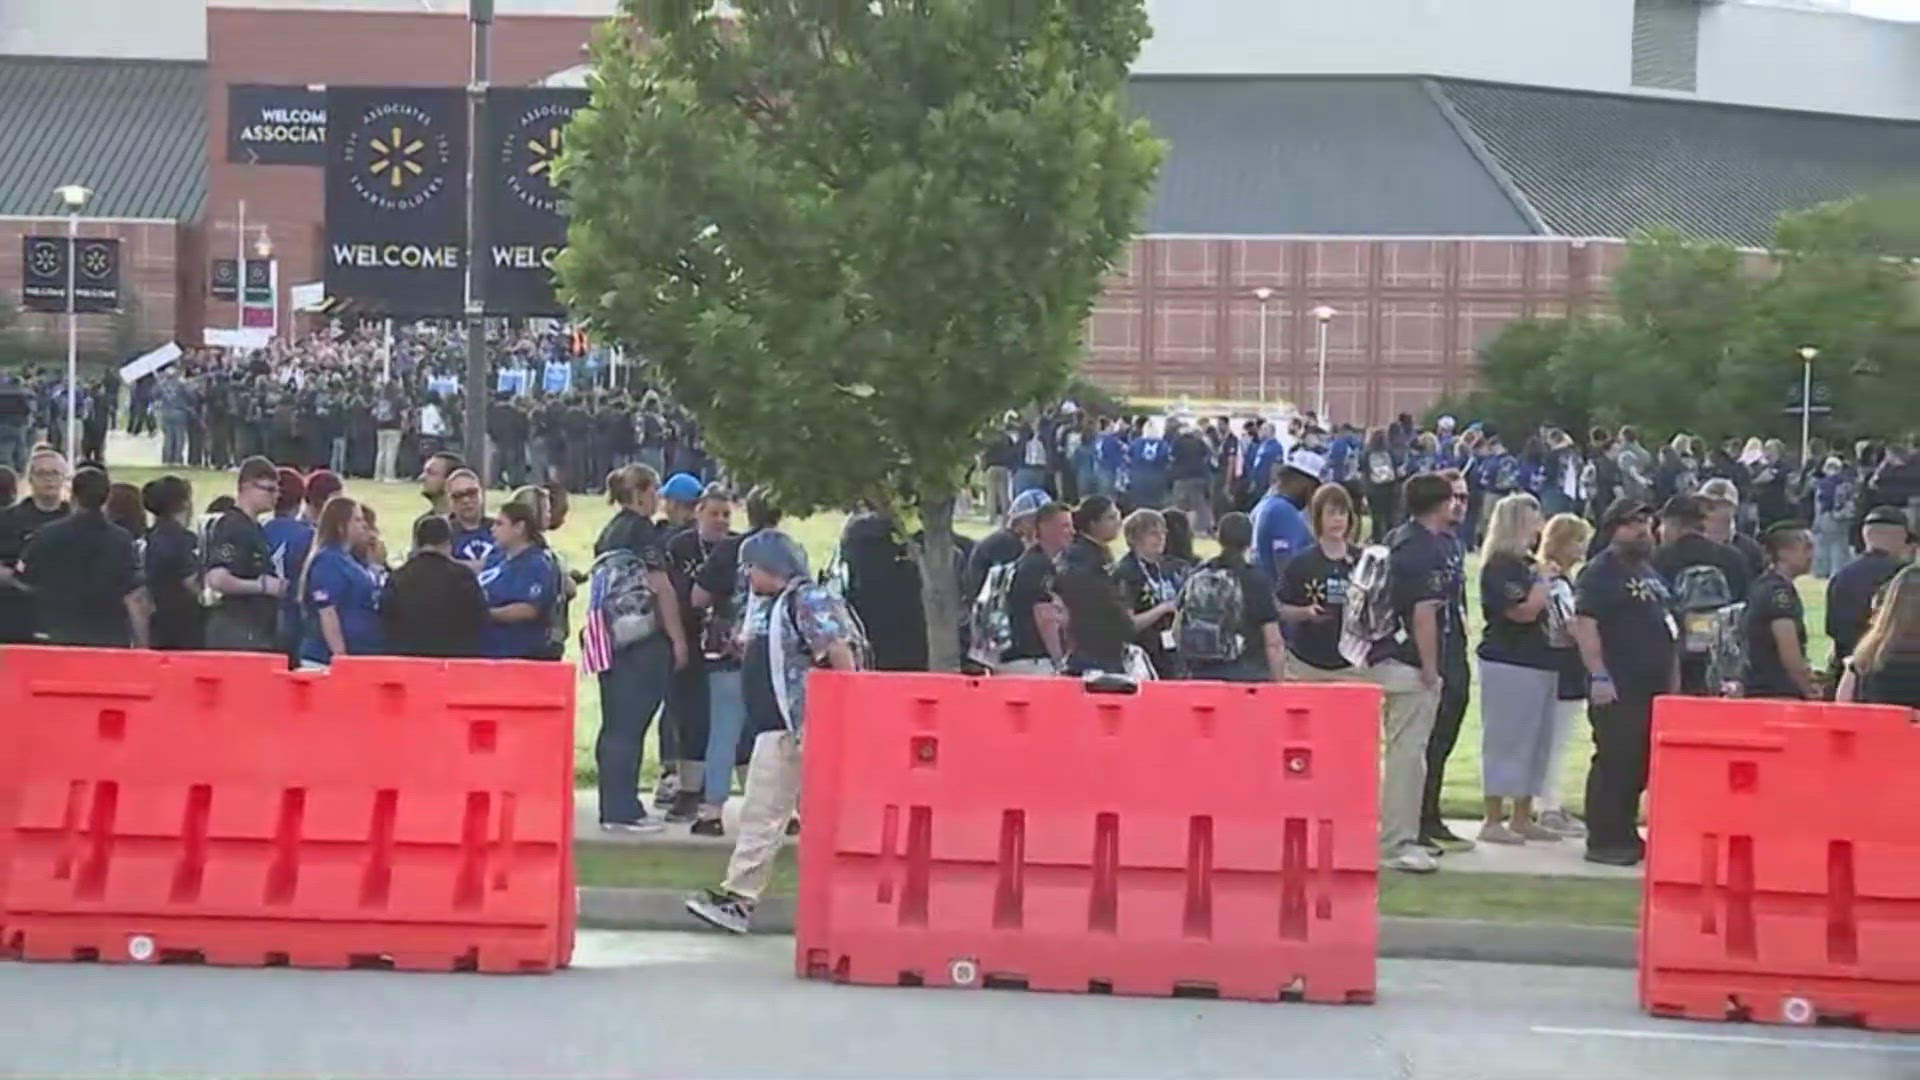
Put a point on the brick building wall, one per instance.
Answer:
(1179, 317)
(150, 254)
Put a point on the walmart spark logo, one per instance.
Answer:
(393, 156)
(397, 155)
(530, 153)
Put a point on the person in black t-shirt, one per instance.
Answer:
(1850, 594)
(1036, 621)
(1683, 545)
(1885, 668)
(1262, 651)
(85, 575)
(46, 476)
(1098, 625)
(239, 566)
(1721, 500)
(432, 605)
(1313, 591)
(1776, 622)
(1625, 628)
(688, 704)
(1519, 674)
(1150, 583)
(171, 565)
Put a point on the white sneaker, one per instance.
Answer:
(1563, 823)
(721, 910)
(1412, 860)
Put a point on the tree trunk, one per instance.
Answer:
(939, 588)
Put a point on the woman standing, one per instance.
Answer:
(1150, 586)
(1519, 674)
(1382, 478)
(1313, 591)
(339, 602)
(1262, 657)
(172, 564)
(1562, 544)
(520, 585)
(1885, 666)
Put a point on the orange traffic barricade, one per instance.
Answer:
(1783, 865)
(1192, 838)
(214, 807)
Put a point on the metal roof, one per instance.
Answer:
(1607, 165)
(1262, 155)
(132, 130)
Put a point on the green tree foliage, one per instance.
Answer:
(1706, 339)
(850, 234)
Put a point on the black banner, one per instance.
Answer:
(276, 125)
(526, 228)
(43, 274)
(259, 280)
(224, 280)
(396, 199)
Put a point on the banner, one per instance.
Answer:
(396, 194)
(276, 125)
(224, 281)
(526, 228)
(141, 366)
(43, 274)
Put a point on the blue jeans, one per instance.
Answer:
(726, 720)
(630, 693)
(173, 440)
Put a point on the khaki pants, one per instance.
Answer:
(1408, 712)
(1299, 670)
(772, 796)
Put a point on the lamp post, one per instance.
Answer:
(1263, 294)
(1323, 315)
(73, 197)
(263, 249)
(1808, 354)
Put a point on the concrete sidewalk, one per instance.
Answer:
(1561, 859)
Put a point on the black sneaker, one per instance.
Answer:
(686, 807)
(1445, 839)
(722, 910)
(1614, 856)
(712, 826)
(793, 827)
(665, 791)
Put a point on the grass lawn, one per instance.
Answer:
(1492, 897)
(399, 504)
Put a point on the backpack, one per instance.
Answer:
(989, 622)
(1727, 655)
(1380, 467)
(1702, 595)
(857, 641)
(1369, 617)
(618, 589)
(1210, 607)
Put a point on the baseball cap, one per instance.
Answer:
(1028, 503)
(1720, 489)
(1684, 508)
(1623, 510)
(1307, 463)
(1887, 515)
(682, 487)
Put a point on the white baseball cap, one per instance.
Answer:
(1307, 463)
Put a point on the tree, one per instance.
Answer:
(848, 235)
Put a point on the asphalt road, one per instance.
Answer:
(688, 1005)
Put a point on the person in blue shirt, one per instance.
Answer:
(289, 536)
(1147, 461)
(519, 582)
(1261, 459)
(1280, 528)
(1109, 454)
(339, 599)
(473, 534)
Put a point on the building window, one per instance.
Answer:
(1666, 44)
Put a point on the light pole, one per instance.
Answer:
(1808, 354)
(1263, 294)
(1323, 315)
(73, 197)
(263, 248)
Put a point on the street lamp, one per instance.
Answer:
(1808, 354)
(73, 197)
(1263, 294)
(1323, 315)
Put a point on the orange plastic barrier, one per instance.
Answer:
(213, 807)
(1783, 864)
(1198, 839)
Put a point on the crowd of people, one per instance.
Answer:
(1609, 574)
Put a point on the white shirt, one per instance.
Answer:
(430, 420)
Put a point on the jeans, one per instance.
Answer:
(173, 440)
(387, 465)
(726, 721)
(13, 447)
(1621, 734)
(687, 714)
(630, 694)
(1831, 549)
(1456, 684)
(337, 455)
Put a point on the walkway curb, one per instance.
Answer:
(1400, 938)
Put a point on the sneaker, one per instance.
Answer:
(665, 790)
(685, 808)
(1614, 856)
(722, 910)
(711, 826)
(1412, 860)
(1445, 839)
(1431, 846)
(793, 827)
(1533, 830)
(1496, 832)
(644, 826)
(1563, 823)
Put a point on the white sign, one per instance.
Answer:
(226, 337)
(308, 297)
(142, 366)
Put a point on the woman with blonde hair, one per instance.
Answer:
(339, 598)
(1519, 674)
(1562, 544)
(1885, 666)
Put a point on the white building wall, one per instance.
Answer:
(1810, 60)
(110, 29)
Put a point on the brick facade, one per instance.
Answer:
(150, 254)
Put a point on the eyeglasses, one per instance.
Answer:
(465, 493)
(271, 487)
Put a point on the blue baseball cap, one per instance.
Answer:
(1028, 503)
(682, 487)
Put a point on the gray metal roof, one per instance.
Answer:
(134, 131)
(1606, 165)
(1264, 155)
